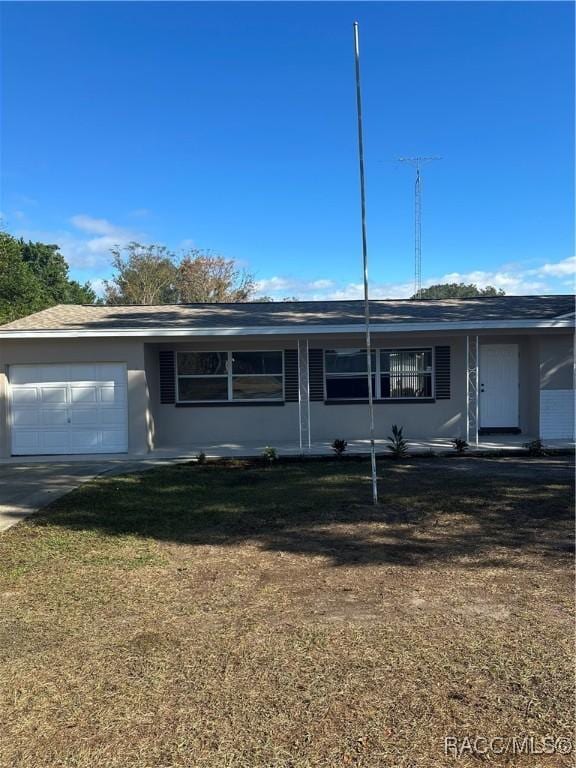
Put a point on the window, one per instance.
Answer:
(398, 374)
(257, 376)
(230, 376)
(346, 374)
(405, 373)
(202, 376)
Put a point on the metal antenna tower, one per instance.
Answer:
(417, 162)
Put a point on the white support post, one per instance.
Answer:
(472, 388)
(467, 388)
(477, 419)
(303, 396)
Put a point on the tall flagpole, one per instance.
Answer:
(365, 260)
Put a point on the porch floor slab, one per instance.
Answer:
(120, 462)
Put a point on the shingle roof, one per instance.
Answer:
(69, 317)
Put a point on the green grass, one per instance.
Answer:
(232, 614)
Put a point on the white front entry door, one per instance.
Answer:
(65, 409)
(499, 385)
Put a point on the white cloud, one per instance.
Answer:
(273, 284)
(97, 285)
(513, 279)
(508, 280)
(93, 226)
(560, 268)
(105, 243)
(86, 245)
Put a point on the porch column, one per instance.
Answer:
(472, 388)
(303, 396)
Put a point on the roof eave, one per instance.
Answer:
(288, 330)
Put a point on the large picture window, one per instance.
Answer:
(398, 374)
(347, 374)
(229, 376)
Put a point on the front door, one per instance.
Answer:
(499, 386)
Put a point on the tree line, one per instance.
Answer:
(34, 276)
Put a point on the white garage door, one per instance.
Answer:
(69, 408)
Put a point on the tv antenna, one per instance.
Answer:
(418, 162)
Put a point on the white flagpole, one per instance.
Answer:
(365, 260)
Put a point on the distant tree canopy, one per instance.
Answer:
(456, 291)
(152, 274)
(143, 274)
(269, 299)
(205, 277)
(34, 276)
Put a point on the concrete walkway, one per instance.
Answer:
(119, 463)
(25, 488)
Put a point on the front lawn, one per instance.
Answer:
(237, 616)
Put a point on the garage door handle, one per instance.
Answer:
(69, 421)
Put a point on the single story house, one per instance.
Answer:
(131, 379)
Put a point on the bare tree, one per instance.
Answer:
(203, 276)
(144, 274)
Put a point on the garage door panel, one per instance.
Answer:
(23, 374)
(60, 409)
(25, 442)
(84, 440)
(83, 393)
(53, 395)
(53, 373)
(84, 416)
(55, 440)
(24, 396)
(54, 417)
(26, 417)
(84, 372)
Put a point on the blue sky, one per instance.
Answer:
(231, 127)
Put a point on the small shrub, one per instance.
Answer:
(339, 446)
(535, 448)
(398, 446)
(201, 458)
(460, 445)
(270, 455)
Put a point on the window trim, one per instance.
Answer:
(229, 375)
(377, 373)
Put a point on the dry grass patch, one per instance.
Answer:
(231, 616)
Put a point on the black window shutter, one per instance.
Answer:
(291, 375)
(167, 377)
(316, 374)
(442, 373)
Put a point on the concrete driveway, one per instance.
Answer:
(25, 488)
